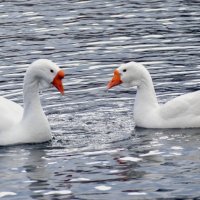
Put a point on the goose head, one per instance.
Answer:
(46, 73)
(129, 75)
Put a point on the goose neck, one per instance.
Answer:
(31, 95)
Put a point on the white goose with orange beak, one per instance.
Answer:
(180, 112)
(29, 124)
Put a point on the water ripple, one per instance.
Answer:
(96, 152)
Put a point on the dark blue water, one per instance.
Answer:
(96, 152)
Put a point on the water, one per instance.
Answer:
(96, 152)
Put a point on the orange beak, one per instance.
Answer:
(57, 81)
(116, 80)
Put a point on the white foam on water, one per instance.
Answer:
(114, 171)
(29, 13)
(52, 163)
(132, 159)
(38, 191)
(151, 153)
(79, 179)
(153, 36)
(93, 163)
(3, 194)
(103, 187)
(137, 193)
(177, 148)
(58, 192)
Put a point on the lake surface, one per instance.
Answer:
(96, 152)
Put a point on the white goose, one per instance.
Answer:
(29, 125)
(180, 112)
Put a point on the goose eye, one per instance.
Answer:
(124, 70)
(51, 71)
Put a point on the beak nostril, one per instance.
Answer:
(61, 74)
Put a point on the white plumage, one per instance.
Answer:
(29, 124)
(180, 112)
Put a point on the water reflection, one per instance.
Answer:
(40, 175)
(37, 172)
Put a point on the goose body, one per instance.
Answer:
(29, 124)
(180, 112)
